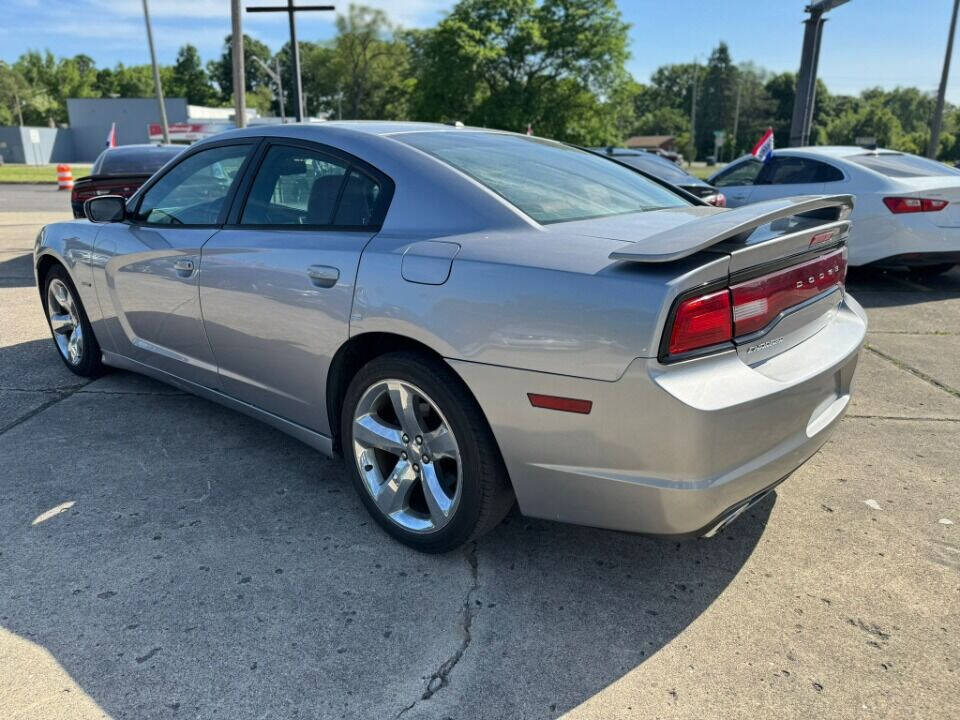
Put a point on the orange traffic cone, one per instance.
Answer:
(64, 177)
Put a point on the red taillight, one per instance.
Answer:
(564, 404)
(758, 301)
(701, 322)
(721, 316)
(901, 205)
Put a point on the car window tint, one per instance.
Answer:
(548, 181)
(294, 186)
(744, 173)
(902, 165)
(785, 170)
(358, 202)
(192, 193)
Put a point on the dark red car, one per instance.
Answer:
(121, 171)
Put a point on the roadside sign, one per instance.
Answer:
(35, 136)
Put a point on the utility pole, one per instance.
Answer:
(291, 11)
(807, 77)
(275, 76)
(736, 119)
(693, 113)
(156, 76)
(941, 93)
(239, 72)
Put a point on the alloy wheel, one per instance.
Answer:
(65, 321)
(407, 455)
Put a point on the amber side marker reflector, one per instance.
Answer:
(552, 402)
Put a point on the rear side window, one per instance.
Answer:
(796, 171)
(900, 165)
(548, 181)
(299, 186)
(744, 173)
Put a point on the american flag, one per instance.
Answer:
(764, 147)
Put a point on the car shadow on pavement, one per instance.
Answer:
(17, 271)
(879, 288)
(173, 555)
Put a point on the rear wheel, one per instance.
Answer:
(69, 325)
(930, 271)
(421, 454)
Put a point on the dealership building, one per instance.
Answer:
(137, 121)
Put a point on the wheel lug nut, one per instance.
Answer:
(416, 468)
(419, 440)
(406, 438)
(426, 459)
(404, 454)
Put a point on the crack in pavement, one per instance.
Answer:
(80, 388)
(440, 678)
(61, 396)
(919, 373)
(898, 417)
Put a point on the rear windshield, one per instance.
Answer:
(548, 181)
(658, 167)
(900, 165)
(134, 161)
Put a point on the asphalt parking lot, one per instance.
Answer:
(163, 557)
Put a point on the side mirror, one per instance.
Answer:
(105, 208)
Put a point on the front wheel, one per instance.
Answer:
(421, 454)
(69, 325)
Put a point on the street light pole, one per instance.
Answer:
(239, 71)
(942, 92)
(693, 113)
(805, 96)
(156, 76)
(275, 76)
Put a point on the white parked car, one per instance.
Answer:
(907, 209)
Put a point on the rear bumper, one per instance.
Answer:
(882, 239)
(670, 450)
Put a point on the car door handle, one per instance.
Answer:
(184, 267)
(323, 275)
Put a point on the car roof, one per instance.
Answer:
(139, 147)
(367, 127)
(827, 151)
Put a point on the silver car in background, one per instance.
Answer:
(907, 207)
(474, 317)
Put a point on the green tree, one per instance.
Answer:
(556, 65)
(190, 80)
(221, 70)
(715, 104)
(14, 92)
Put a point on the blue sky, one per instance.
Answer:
(866, 42)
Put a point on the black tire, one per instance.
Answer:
(89, 363)
(486, 495)
(930, 271)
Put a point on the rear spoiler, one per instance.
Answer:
(736, 226)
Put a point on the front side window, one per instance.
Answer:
(298, 186)
(548, 181)
(744, 173)
(193, 192)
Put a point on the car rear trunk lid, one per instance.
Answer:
(787, 265)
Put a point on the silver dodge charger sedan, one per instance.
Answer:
(473, 318)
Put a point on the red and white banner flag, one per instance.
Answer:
(112, 136)
(764, 147)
